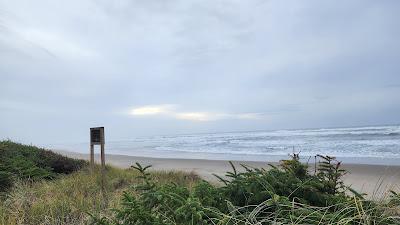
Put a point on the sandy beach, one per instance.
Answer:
(374, 180)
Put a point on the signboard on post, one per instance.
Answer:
(97, 138)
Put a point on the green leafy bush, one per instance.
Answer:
(23, 162)
(5, 180)
(287, 194)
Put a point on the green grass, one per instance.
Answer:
(71, 198)
(38, 186)
(285, 194)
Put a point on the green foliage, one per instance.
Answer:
(5, 180)
(394, 198)
(295, 167)
(71, 199)
(330, 174)
(281, 195)
(29, 163)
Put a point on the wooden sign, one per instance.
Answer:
(97, 138)
(97, 135)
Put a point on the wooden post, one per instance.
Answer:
(103, 159)
(103, 176)
(91, 157)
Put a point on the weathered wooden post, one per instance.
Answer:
(97, 138)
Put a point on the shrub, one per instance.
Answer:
(29, 163)
(287, 194)
(5, 180)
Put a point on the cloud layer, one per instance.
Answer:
(224, 66)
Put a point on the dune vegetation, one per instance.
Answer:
(38, 193)
(286, 194)
(72, 199)
(42, 187)
(29, 163)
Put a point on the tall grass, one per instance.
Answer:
(72, 198)
(274, 212)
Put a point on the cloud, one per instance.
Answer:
(58, 45)
(170, 110)
(195, 116)
(226, 65)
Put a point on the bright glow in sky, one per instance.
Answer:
(150, 110)
(172, 112)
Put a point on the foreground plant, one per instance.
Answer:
(287, 194)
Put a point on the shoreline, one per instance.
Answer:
(374, 180)
(243, 157)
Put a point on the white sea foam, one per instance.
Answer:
(373, 141)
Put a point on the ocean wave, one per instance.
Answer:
(344, 142)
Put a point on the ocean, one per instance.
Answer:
(372, 145)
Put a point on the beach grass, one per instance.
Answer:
(287, 193)
(71, 199)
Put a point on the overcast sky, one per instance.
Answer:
(164, 67)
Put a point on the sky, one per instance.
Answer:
(143, 68)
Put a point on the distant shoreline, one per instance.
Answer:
(246, 157)
(374, 180)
